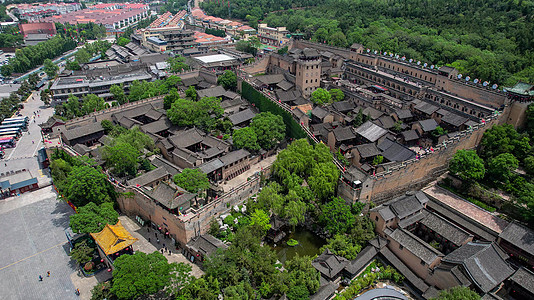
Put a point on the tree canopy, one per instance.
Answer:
(85, 184)
(192, 180)
(337, 95)
(50, 68)
(228, 80)
(92, 218)
(122, 158)
(145, 274)
(246, 138)
(321, 97)
(468, 165)
(270, 129)
(336, 216)
(185, 112)
(458, 293)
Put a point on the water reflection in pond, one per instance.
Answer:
(309, 244)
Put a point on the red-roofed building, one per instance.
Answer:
(38, 28)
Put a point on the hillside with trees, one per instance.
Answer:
(489, 39)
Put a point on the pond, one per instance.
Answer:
(309, 244)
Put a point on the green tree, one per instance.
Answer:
(336, 95)
(82, 253)
(338, 39)
(500, 168)
(336, 216)
(246, 138)
(92, 103)
(302, 274)
(321, 97)
(260, 220)
(439, 131)
(191, 92)
(171, 98)
(134, 137)
(122, 41)
(82, 56)
(145, 274)
(468, 165)
(202, 113)
(50, 68)
(529, 165)
(118, 93)
(498, 139)
(85, 184)
(323, 181)
(294, 211)
(122, 157)
(192, 180)
(269, 128)
(107, 125)
(458, 293)
(45, 97)
(177, 64)
(343, 245)
(228, 80)
(92, 218)
(378, 160)
(102, 291)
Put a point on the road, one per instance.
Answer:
(24, 155)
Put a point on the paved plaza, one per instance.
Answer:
(34, 242)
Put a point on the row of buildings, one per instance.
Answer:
(200, 19)
(115, 17)
(391, 110)
(36, 11)
(130, 63)
(437, 240)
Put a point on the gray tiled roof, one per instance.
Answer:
(78, 132)
(284, 85)
(524, 278)
(426, 108)
(454, 119)
(211, 166)
(519, 236)
(415, 245)
(325, 291)
(394, 151)
(329, 264)
(410, 135)
(144, 179)
(405, 205)
(484, 263)
(187, 138)
(319, 112)
(403, 113)
(445, 228)
(428, 125)
(386, 213)
(242, 116)
(206, 244)
(169, 197)
(371, 131)
(386, 122)
(217, 91)
(234, 156)
(368, 150)
(344, 133)
(362, 259)
(343, 106)
(372, 112)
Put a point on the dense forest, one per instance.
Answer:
(240, 9)
(487, 39)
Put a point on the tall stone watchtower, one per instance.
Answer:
(308, 71)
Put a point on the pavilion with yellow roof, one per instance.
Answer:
(112, 240)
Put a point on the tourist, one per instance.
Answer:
(40, 278)
(48, 274)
